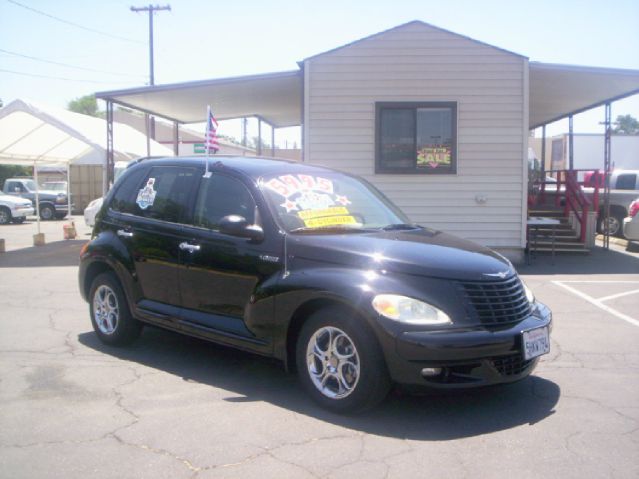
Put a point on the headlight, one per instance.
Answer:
(529, 294)
(408, 310)
(61, 199)
(95, 203)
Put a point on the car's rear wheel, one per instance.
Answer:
(5, 215)
(340, 363)
(614, 225)
(110, 315)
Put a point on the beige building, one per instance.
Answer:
(438, 121)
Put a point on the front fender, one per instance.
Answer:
(349, 287)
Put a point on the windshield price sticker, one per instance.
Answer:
(333, 211)
(536, 342)
(330, 221)
(313, 199)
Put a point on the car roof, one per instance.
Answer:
(251, 166)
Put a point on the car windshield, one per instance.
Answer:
(54, 186)
(30, 185)
(330, 202)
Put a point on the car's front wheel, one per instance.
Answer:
(110, 315)
(5, 215)
(340, 363)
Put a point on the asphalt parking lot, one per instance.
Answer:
(171, 406)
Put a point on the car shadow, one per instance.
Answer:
(599, 261)
(248, 378)
(57, 253)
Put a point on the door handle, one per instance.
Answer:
(125, 234)
(184, 246)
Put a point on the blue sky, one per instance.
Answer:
(210, 39)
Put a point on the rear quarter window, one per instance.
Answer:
(124, 198)
(165, 193)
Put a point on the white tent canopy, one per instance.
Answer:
(35, 133)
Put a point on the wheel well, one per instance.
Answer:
(614, 210)
(297, 320)
(92, 272)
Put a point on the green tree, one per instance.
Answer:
(87, 105)
(626, 125)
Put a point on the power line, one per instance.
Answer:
(92, 30)
(69, 66)
(35, 75)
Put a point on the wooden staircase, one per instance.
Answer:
(566, 237)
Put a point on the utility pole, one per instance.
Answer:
(151, 9)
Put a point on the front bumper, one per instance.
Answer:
(631, 228)
(468, 357)
(22, 212)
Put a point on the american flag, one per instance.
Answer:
(210, 139)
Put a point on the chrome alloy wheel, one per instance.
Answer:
(106, 310)
(333, 363)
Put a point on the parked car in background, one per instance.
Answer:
(94, 206)
(13, 209)
(53, 204)
(631, 223)
(624, 185)
(311, 266)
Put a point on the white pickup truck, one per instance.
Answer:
(624, 189)
(14, 209)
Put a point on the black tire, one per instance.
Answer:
(372, 383)
(5, 215)
(113, 324)
(47, 212)
(615, 222)
(19, 220)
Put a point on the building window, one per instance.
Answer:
(416, 138)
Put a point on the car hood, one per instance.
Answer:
(15, 200)
(421, 251)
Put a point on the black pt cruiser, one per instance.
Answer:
(313, 267)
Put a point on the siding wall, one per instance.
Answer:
(420, 63)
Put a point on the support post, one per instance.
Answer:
(543, 152)
(571, 164)
(69, 190)
(109, 150)
(176, 138)
(607, 155)
(37, 194)
(272, 140)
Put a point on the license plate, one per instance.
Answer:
(536, 342)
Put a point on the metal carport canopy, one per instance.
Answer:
(556, 92)
(274, 97)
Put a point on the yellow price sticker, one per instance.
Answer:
(330, 221)
(332, 211)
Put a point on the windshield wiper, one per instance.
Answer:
(400, 227)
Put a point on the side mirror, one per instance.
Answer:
(236, 225)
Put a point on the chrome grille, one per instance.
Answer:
(497, 302)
